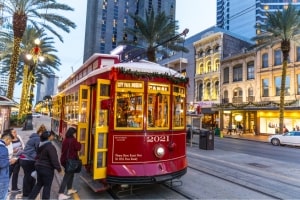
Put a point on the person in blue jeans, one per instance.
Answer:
(5, 140)
(27, 160)
(47, 161)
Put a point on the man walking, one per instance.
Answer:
(5, 140)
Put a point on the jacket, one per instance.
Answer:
(47, 156)
(30, 150)
(71, 145)
(4, 163)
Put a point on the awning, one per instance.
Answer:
(208, 111)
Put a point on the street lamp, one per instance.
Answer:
(34, 57)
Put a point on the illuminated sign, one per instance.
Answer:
(136, 85)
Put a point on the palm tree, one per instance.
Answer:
(37, 13)
(154, 31)
(25, 72)
(281, 26)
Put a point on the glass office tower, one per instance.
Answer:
(106, 20)
(240, 17)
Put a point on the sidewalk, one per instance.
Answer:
(258, 138)
(25, 136)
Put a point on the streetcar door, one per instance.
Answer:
(101, 129)
(83, 111)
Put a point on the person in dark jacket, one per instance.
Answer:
(27, 160)
(47, 161)
(69, 149)
(5, 140)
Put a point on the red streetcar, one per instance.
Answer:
(130, 120)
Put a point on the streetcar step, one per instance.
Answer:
(95, 185)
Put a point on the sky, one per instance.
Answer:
(196, 15)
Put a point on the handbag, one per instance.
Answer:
(73, 165)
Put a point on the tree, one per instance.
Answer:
(154, 31)
(37, 13)
(281, 26)
(25, 72)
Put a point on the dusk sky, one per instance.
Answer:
(196, 15)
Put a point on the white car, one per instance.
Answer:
(36, 115)
(289, 138)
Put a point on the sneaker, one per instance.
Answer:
(71, 191)
(63, 196)
(16, 190)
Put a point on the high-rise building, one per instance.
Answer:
(48, 88)
(4, 27)
(240, 17)
(106, 20)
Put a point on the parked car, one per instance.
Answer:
(289, 138)
(36, 115)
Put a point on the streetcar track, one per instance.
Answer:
(177, 191)
(263, 180)
(234, 182)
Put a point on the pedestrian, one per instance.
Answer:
(18, 146)
(69, 149)
(47, 161)
(27, 160)
(5, 140)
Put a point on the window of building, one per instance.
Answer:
(277, 57)
(250, 92)
(250, 70)
(226, 75)
(216, 90)
(217, 65)
(278, 85)
(265, 59)
(237, 92)
(200, 91)
(237, 73)
(225, 100)
(265, 86)
(201, 68)
(208, 90)
(208, 67)
(298, 53)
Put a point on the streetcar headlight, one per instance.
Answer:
(159, 151)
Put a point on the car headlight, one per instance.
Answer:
(159, 151)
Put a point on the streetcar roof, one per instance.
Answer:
(145, 66)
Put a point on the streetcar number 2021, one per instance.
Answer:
(158, 138)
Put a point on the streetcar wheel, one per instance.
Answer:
(275, 142)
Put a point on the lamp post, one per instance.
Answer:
(33, 58)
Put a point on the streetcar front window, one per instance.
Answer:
(158, 110)
(129, 110)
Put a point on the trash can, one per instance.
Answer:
(206, 140)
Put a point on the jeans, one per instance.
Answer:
(44, 179)
(14, 171)
(4, 189)
(67, 181)
(28, 180)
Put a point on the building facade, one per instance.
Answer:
(240, 17)
(250, 90)
(106, 20)
(209, 51)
